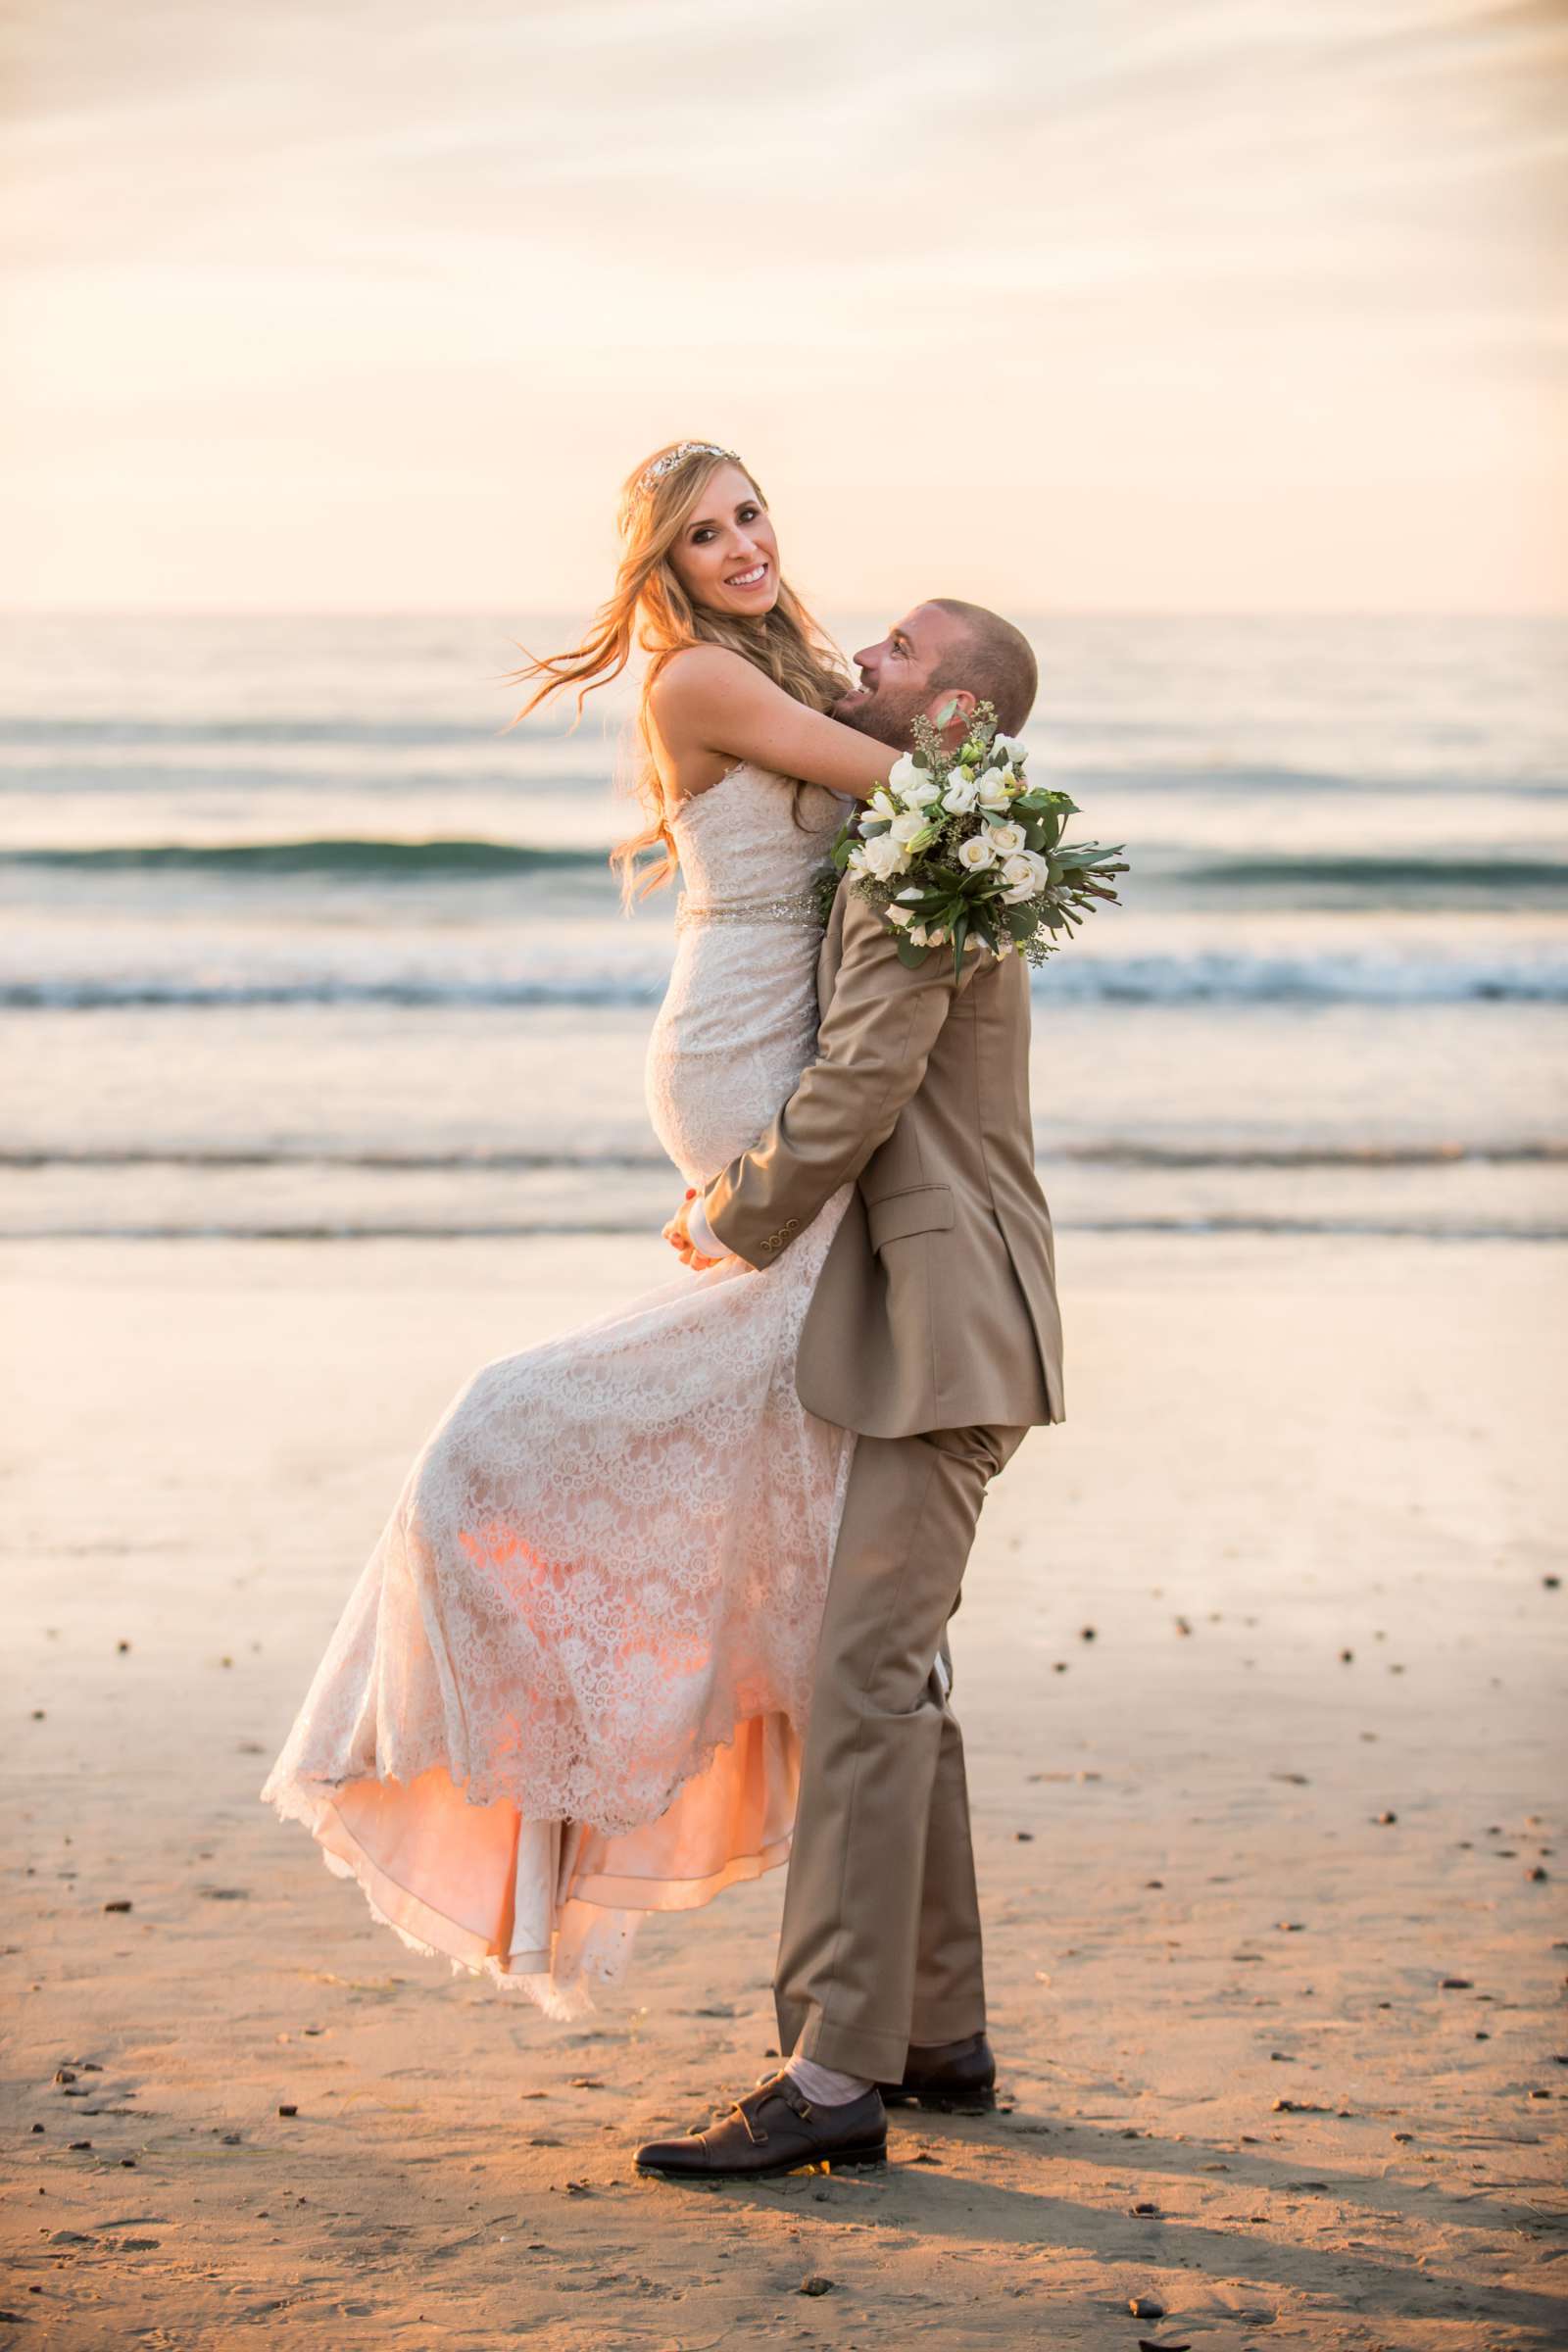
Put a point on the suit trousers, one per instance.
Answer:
(880, 1944)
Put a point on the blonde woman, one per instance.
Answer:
(571, 1683)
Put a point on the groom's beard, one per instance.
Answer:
(888, 716)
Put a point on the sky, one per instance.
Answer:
(1067, 305)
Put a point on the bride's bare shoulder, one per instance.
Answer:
(696, 680)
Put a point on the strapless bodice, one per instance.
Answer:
(752, 843)
(738, 1024)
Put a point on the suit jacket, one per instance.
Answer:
(937, 1305)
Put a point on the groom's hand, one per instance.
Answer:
(681, 1240)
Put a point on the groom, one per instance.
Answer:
(934, 1334)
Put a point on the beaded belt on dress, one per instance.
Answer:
(797, 907)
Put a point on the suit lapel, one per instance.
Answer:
(831, 953)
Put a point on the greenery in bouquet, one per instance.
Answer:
(959, 848)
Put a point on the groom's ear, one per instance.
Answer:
(951, 709)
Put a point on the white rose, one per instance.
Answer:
(993, 790)
(958, 799)
(1018, 876)
(885, 857)
(856, 862)
(976, 854)
(917, 935)
(1027, 874)
(907, 824)
(937, 938)
(900, 916)
(1009, 839)
(1009, 748)
(903, 775)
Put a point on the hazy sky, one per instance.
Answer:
(1069, 303)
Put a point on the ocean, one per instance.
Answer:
(297, 939)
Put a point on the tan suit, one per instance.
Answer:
(933, 1332)
(937, 1307)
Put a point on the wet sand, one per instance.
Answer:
(1277, 1949)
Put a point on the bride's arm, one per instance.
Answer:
(707, 698)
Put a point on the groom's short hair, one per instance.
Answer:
(997, 662)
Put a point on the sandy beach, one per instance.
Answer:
(1256, 1664)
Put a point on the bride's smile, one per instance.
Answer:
(727, 558)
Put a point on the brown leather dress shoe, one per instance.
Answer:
(960, 2075)
(774, 2128)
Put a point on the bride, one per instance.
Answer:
(571, 1682)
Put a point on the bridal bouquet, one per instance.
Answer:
(959, 847)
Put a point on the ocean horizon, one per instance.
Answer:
(298, 940)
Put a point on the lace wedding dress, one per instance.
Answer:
(571, 1683)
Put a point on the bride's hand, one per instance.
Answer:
(679, 1240)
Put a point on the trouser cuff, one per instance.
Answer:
(866, 2050)
(931, 2029)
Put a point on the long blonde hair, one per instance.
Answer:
(650, 610)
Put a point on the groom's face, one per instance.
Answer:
(898, 677)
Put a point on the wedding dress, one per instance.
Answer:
(571, 1682)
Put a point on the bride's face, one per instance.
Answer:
(726, 557)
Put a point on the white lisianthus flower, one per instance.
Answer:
(1009, 839)
(1010, 749)
(882, 803)
(922, 793)
(904, 774)
(885, 857)
(959, 796)
(992, 791)
(855, 863)
(937, 938)
(900, 916)
(907, 824)
(913, 898)
(919, 936)
(976, 854)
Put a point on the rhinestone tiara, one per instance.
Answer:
(672, 458)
